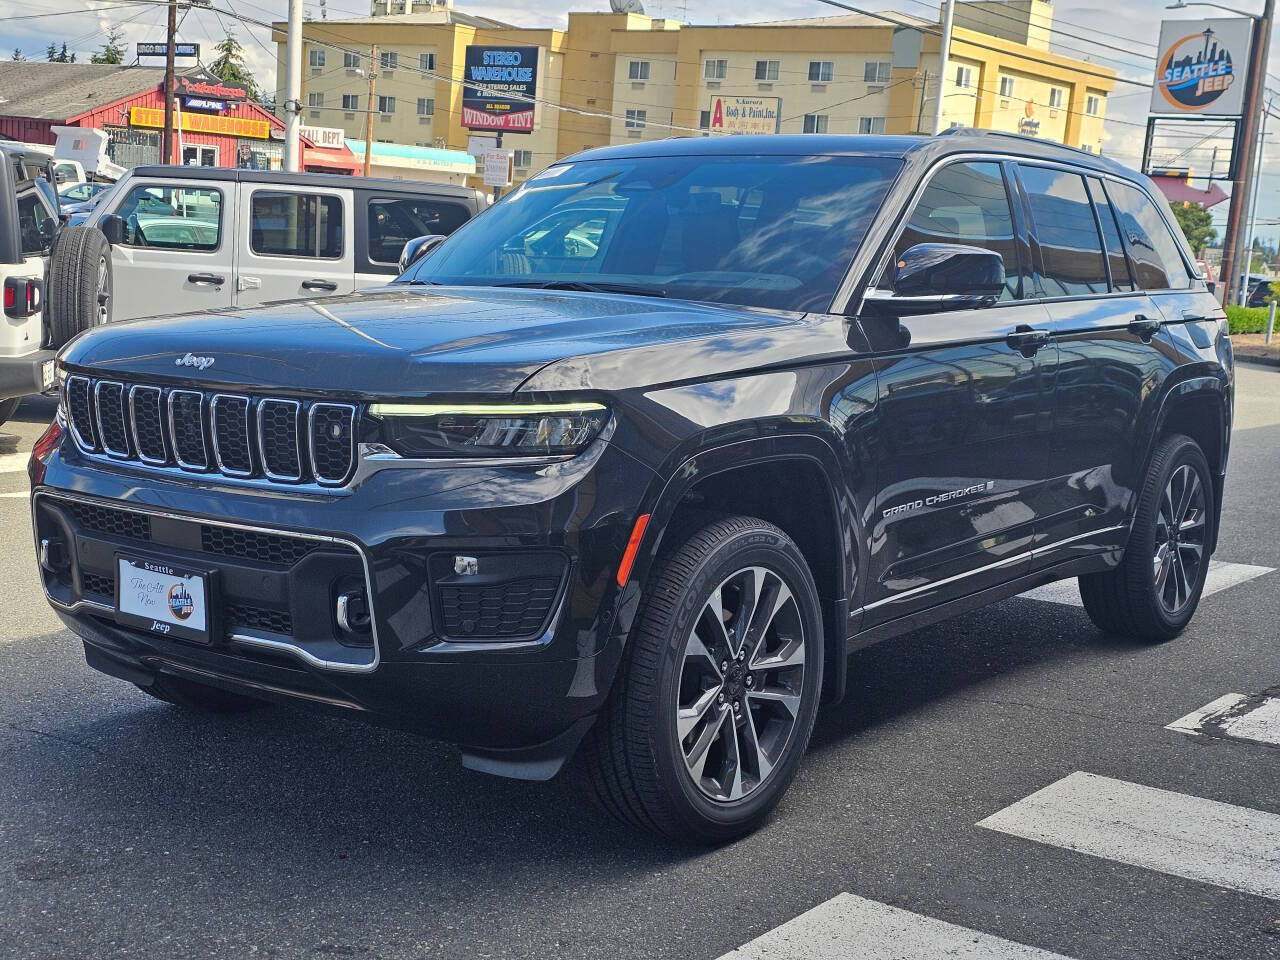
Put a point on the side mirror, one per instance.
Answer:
(115, 230)
(417, 248)
(932, 277)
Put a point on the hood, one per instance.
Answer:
(403, 341)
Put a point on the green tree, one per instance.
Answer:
(229, 67)
(1197, 224)
(113, 50)
(60, 56)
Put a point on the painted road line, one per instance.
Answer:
(1169, 832)
(14, 462)
(1221, 576)
(848, 927)
(16, 495)
(1255, 718)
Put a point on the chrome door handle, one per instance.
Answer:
(1028, 340)
(1145, 327)
(206, 279)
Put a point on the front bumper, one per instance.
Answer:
(516, 703)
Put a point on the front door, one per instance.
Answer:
(176, 256)
(295, 243)
(963, 399)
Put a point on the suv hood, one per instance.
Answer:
(415, 341)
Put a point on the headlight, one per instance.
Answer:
(489, 430)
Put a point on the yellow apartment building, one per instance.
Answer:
(619, 77)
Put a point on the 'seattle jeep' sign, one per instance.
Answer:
(501, 83)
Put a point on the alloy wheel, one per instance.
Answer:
(1180, 539)
(741, 684)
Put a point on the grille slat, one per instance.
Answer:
(257, 618)
(235, 435)
(230, 417)
(279, 441)
(252, 545)
(120, 523)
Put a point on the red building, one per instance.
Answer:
(219, 127)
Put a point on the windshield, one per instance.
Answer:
(759, 231)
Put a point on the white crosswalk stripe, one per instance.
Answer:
(1221, 576)
(1160, 830)
(851, 928)
(14, 462)
(1237, 716)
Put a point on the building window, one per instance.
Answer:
(351, 61)
(876, 71)
(386, 104)
(315, 99)
(964, 77)
(388, 60)
(704, 120)
(815, 122)
(426, 106)
(1088, 147)
(316, 58)
(821, 71)
(522, 158)
(638, 70)
(427, 61)
(767, 70)
(1055, 97)
(1006, 86)
(871, 124)
(350, 101)
(1093, 105)
(715, 69)
(636, 119)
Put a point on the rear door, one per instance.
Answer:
(295, 242)
(385, 222)
(1111, 360)
(176, 256)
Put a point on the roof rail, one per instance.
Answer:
(1039, 141)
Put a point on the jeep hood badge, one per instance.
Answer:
(190, 360)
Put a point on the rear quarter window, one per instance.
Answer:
(393, 222)
(1151, 246)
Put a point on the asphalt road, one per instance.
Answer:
(131, 829)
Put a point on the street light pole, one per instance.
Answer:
(1253, 208)
(944, 54)
(293, 88)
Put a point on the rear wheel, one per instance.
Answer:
(200, 697)
(1154, 592)
(718, 694)
(8, 408)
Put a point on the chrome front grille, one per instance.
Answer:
(237, 435)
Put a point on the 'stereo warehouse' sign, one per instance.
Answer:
(501, 83)
(1201, 68)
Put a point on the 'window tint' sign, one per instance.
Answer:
(501, 83)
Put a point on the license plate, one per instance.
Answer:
(161, 598)
(46, 375)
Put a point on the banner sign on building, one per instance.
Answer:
(162, 50)
(501, 82)
(1201, 67)
(197, 85)
(745, 114)
(327, 138)
(205, 104)
(203, 123)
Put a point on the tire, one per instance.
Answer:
(199, 697)
(1144, 597)
(8, 408)
(636, 764)
(80, 284)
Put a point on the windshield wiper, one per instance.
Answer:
(588, 286)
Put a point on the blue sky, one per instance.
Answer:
(1132, 26)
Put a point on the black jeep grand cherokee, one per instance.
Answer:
(627, 466)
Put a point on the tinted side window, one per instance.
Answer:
(965, 203)
(1120, 278)
(172, 218)
(33, 212)
(1151, 247)
(393, 223)
(1062, 218)
(296, 225)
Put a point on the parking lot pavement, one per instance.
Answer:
(1009, 784)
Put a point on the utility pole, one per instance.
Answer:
(924, 95)
(368, 114)
(944, 54)
(1253, 208)
(293, 89)
(166, 138)
(1243, 185)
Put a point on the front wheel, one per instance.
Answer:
(1154, 592)
(719, 690)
